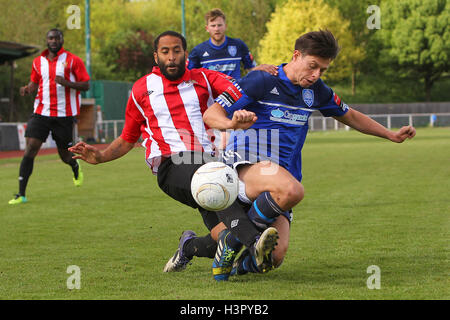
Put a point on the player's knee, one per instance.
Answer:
(31, 153)
(31, 150)
(293, 193)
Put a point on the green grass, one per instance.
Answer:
(368, 202)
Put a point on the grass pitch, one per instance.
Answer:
(368, 202)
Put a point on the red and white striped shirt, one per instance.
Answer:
(53, 99)
(168, 114)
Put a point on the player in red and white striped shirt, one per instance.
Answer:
(59, 76)
(166, 108)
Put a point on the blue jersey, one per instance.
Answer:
(225, 58)
(283, 110)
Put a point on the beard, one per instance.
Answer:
(173, 76)
(54, 49)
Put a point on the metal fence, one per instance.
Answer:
(108, 130)
(388, 120)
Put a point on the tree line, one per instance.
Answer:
(392, 51)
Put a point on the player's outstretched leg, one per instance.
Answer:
(262, 249)
(227, 249)
(179, 261)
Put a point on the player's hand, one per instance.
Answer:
(60, 80)
(243, 119)
(407, 132)
(86, 152)
(24, 91)
(273, 70)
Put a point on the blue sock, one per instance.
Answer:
(264, 211)
(249, 265)
(233, 242)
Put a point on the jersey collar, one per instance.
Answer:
(219, 47)
(282, 75)
(46, 52)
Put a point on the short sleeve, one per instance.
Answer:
(79, 70)
(193, 60)
(247, 57)
(253, 84)
(330, 105)
(35, 75)
(251, 88)
(223, 87)
(133, 120)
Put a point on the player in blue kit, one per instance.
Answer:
(274, 112)
(277, 109)
(222, 53)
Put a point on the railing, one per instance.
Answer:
(108, 130)
(388, 120)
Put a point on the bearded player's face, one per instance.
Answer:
(55, 41)
(171, 57)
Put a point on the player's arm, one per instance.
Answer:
(28, 89)
(273, 70)
(33, 85)
(250, 64)
(193, 60)
(229, 110)
(91, 154)
(77, 85)
(216, 117)
(121, 145)
(367, 125)
(82, 78)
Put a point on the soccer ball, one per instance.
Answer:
(215, 186)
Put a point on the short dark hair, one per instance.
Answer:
(56, 30)
(213, 14)
(320, 43)
(170, 33)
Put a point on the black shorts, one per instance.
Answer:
(174, 178)
(39, 127)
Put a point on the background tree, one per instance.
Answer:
(26, 22)
(416, 37)
(413, 34)
(355, 12)
(296, 17)
(129, 55)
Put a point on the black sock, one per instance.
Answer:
(237, 221)
(249, 265)
(26, 168)
(233, 242)
(75, 168)
(200, 247)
